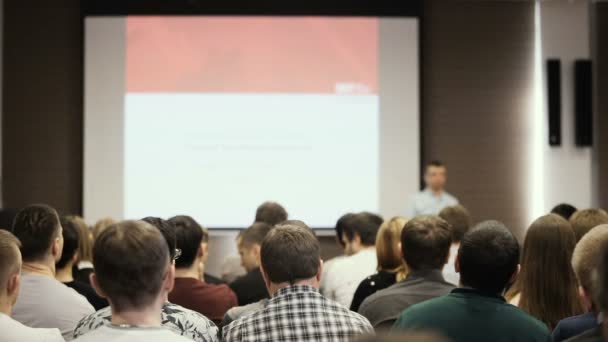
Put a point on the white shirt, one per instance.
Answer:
(44, 302)
(449, 270)
(427, 203)
(119, 334)
(346, 273)
(13, 331)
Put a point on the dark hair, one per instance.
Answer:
(365, 226)
(255, 234)
(459, 219)
(166, 229)
(270, 213)
(584, 220)
(425, 243)
(488, 256)
(36, 226)
(435, 163)
(377, 219)
(131, 259)
(341, 226)
(564, 210)
(290, 253)
(189, 236)
(71, 239)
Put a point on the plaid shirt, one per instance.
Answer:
(298, 313)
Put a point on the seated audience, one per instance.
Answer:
(250, 288)
(208, 278)
(84, 267)
(189, 291)
(460, 222)
(69, 257)
(584, 220)
(43, 301)
(178, 319)
(546, 287)
(346, 273)
(564, 210)
(10, 273)
(134, 271)
(291, 265)
(585, 261)
(342, 222)
(425, 246)
(391, 268)
(270, 213)
(487, 262)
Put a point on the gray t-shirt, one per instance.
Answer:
(128, 334)
(44, 302)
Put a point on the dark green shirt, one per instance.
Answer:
(466, 315)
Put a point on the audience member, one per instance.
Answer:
(391, 268)
(69, 257)
(250, 288)
(460, 222)
(101, 225)
(546, 287)
(178, 319)
(291, 265)
(83, 269)
(425, 246)
(43, 301)
(189, 291)
(433, 198)
(564, 210)
(341, 224)
(270, 213)
(346, 273)
(208, 278)
(585, 259)
(584, 220)
(487, 261)
(10, 269)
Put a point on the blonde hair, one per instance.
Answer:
(101, 225)
(85, 238)
(387, 247)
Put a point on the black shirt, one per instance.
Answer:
(250, 288)
(87, 291)
(209, 279)
(370, 285)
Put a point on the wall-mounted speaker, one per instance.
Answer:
(583, 102)
(554, 101)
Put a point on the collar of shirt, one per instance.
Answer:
(429, 275)
(469, 292)
(294, 289)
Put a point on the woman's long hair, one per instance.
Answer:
(387, 247)
(547, 284)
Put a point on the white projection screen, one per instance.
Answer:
(210, 116)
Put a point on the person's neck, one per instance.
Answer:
(41, 268)
(5, 305)
(436, 192)
(64, 274)
(274, 288)
(190, 272)
(364, 248)
(146, 317)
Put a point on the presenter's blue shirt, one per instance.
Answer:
(428, 203)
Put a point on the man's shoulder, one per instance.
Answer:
(593, 335)
(185, 314)
(13, 330)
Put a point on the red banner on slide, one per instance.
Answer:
(252, 54)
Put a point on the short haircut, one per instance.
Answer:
(270, 213)
(9, 256)
(290, 253)
(425, 242)
(71, 239)
(342, 225)
(434, 163)
(564, 210)
(584, 220)
(85, 244)
(374, 217)
(489, 255)
(363, 225)
(255, 234)
(131, 259)
(586, 255)
(387, 244)
(601, 280)
(189, 236)
(36, 226)
(459, 219)
(167, 230)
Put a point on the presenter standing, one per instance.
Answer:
(433, 198)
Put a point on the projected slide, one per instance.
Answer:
(219, 114)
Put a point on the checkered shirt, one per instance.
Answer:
(298, 313)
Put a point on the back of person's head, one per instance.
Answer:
(547, 284)
(425, 243)
(189, 236)
(342, 225)
(564, 210)
(167, 229)
(586, 256)
(459, 219)
(102, 224)
(290, 253)
(132, 265)
(387, 244)
(10, 264)
(255, 234)
(584, 220)
(364, 226)
(377, 219)
(601, 280)
(270, 213)
(71, 240)
(85, 244)
(488, 257)
(38, 228)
